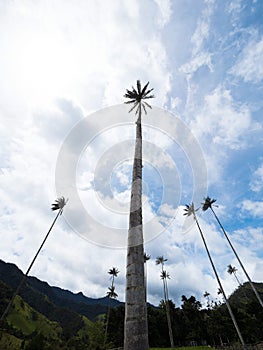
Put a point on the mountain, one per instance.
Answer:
(40, 294)
(49, 315)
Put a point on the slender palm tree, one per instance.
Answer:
(233, 270)
(206, 295)
(110, 294)
(58, 205)
(135, 325)
(190, 210)
(160, 260)
(146, 257)
(208, 203)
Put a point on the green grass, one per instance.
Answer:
(185, 348)
(9, 342)
(24, 318)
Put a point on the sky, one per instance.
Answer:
(65, 131)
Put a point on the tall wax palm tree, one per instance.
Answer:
(135, 326)
(146, 257)
(190, 210)
(208, 203)
(233, 270)
(206, 295)
(110, 294)
(58, 205)
(160, 260)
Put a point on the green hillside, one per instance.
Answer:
(26, 328)
(45, 317)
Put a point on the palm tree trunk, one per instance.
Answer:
(237, 279)
(108, 315)
(240, 262)
(29, 268)
(221, 287)
(135, 326)
(168, 315)
(167, 309)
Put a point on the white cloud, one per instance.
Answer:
(222, 121)
(200, 57)
(234, 6)
(249, 64)
(165, 12)
(256, 184)
(253, 208)
(62, 54)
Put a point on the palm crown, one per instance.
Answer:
(146, 257)
(111, 293)
(190, 209)
(59, 204)
(138, 97)
(160, 260)
(208, 203)
(231, 269)
(114, 272)
(164, 274)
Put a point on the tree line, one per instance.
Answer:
(194, 324)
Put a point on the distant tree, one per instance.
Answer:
(58, 205)
(110, 294)
(160, 260)
(116, 326)
(193, 318)
(208, 203)
(146, 257)
(96, 336)
(190, 210)
(233, 270)
(37, 343)
(206, 295)
(135, 326)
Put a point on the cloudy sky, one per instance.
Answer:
(64, 68)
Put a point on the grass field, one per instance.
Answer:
(185, 348)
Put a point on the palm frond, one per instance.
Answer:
(143, 106)
(139, 86)
(147, 104)
(134, 106)
(145, 87)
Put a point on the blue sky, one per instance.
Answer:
(64, 130)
